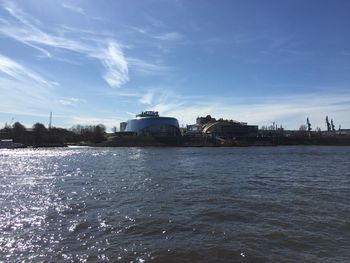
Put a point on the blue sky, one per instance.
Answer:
(93, 62)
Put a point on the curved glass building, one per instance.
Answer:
(149, 123)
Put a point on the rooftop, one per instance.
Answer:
(148, 114)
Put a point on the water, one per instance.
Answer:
(268, 204)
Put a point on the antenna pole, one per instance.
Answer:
(50, 122)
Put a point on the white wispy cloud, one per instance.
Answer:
(20, 73)
(139, 29)
(71, 101)
(23, 89)
(116, 65)
(148, 68)
(26, 29)
(73, 8)
(170, 36)
(26, 92)
(98, 45)
(147, 98)
(13, 9)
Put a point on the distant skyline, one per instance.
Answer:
(92, 62)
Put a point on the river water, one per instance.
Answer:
(255, 204)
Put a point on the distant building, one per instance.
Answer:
(149, 123)
(204, 120)
(122, 126)
(194, 129)
(226, 128)
(345, 132)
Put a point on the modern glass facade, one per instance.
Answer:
(153, 125)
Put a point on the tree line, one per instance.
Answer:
(39, 135)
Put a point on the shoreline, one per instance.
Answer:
(183, 143)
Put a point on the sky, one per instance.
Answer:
(90, 62)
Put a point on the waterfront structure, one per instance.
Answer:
(149, 123)
(226, 128)
(9, 144)
(122, 126)
(345, 132)
(193, 129)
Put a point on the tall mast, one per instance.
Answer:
(308, 124)
(328, 124)
(50, 122)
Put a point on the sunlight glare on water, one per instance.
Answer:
(263, 204)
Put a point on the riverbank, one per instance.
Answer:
(200, 141)
(144, 141)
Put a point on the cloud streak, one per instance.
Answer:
(170, 36)
(109, 52)
(74, 8)
(25, 29)
(27, 93)
(71, 101)
(116, 65)
(23, 89)
(21, 73)
(148, 68)
(147, 98)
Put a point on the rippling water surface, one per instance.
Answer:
(278, 204)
